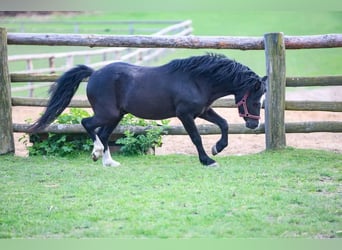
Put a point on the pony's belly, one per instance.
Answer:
(151, 110)
(153, 115)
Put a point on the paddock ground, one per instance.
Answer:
(238, 144)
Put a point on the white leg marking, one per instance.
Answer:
(107, 160)
(98, 149)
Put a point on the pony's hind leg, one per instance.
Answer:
(100, 139)
(90, 124)
(97, 149)
(104, 134)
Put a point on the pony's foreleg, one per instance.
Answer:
(190, 127)
(211, 116)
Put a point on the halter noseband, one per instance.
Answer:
(246, 114)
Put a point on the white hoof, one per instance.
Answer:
(107, 160)
(111, 163)
(95, 155)
(213, 165)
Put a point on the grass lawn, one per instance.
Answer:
(281, 194)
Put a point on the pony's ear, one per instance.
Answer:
(257, 85)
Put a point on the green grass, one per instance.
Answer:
(288, 193)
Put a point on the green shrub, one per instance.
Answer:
(133, 144)
(66, 144)
(62, 144)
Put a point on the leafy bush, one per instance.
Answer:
(59, 144)
(133, 144)
(66, 144)
(62, 144)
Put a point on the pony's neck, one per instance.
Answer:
(221, 90)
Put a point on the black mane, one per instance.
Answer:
(215, 67)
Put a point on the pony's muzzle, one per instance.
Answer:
(251, 123)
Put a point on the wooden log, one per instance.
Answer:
(16, 77)
(204, 129)
(313, 106)
(208, 129)
(275, 95)
(6, 126)
(290, 81)
(165, 41)
(313, 41)
(142, 41)
(313, 127)
(314, 81)
(220, 103)
(42, 102)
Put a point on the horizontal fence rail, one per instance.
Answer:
(157, 41)
(220, 103)
(290, 81)
(204, 129)
(313, 81)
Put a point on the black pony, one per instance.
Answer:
(183, 88)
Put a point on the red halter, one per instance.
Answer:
(246, 114)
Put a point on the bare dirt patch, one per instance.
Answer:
(238, 144)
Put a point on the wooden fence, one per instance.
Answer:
(275, 104)
(103, 56)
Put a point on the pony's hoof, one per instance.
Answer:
(94, 157)
(111, 164)
(214, 150)
(213, 165)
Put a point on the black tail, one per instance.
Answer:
(61, 95)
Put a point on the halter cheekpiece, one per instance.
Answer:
(246, 114)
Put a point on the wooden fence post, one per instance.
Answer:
(275, 95)
(6, 124)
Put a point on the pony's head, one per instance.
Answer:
(249, 102)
